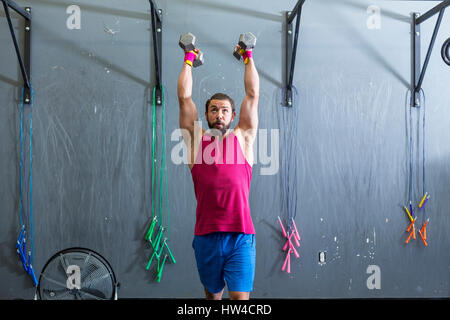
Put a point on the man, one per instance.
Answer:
(224, 237)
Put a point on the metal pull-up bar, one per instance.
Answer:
(25, 62)
(418, 73)
(291, 48)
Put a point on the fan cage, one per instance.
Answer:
(96, 279)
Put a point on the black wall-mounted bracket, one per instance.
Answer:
(156, 15)
(291, 48)
(418, 73)
(25, 61)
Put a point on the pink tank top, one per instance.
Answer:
(221, 177)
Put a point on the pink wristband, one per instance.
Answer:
(189, 57)
(246, 55)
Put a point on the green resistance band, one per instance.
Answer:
(163, 170)
(156, 223)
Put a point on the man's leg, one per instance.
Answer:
(213, 296)
(239, 269)
(239, 295)
(209, 264)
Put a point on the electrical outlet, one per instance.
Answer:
(322, 257)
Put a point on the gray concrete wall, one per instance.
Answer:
(92, 125)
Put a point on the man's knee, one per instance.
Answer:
(213, 296)
(238, 295)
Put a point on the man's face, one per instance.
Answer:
(220, 115)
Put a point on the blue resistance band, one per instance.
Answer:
(411, 150)
(423, 148)
(21, 245)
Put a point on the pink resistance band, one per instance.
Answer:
(246, 55)
(289, 246)
(288, 261)
(189, 57)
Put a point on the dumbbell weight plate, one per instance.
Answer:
(187, 42)
(247, 40)
(236, 54)
(199, 60)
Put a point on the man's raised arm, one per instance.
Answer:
(248, 117)
(188, 111)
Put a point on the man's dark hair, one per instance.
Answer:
(220, 96)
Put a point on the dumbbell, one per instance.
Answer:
(247, 41)
(187, 43)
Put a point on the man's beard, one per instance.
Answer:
(223, 129)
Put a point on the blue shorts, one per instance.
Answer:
(225, 256)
